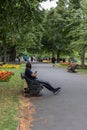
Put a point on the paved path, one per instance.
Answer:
(66, 110)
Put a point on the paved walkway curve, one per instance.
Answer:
(66, 110)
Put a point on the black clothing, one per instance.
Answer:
(28, 73)
(53, 60)
(45, 84)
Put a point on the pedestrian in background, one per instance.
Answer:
(53, 61)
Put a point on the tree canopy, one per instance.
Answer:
(60, 30)
(19, 23)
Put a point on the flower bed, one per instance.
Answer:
(46, 61)
(5, 75)
(65, 63)
(9, 66)
(68, 63)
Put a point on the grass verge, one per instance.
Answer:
(9, 100)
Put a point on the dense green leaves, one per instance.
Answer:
(77, 30)
(61, 30)
(54, 36)
(66, 28)
(19, 23)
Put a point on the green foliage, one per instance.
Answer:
(20, 24)
(77, 29)
(62, 29)
(54, 36)
(66, 29)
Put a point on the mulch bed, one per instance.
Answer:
(27, 109)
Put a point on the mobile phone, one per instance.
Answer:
(35, 71)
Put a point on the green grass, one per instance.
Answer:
(9, 100)
(83, 71)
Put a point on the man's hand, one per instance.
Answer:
(35, 72)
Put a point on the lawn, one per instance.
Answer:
(9, 100)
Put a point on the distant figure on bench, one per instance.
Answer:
(72, 67)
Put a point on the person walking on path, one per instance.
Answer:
(53, 61)
(33, 76)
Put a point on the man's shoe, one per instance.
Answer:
(57, 90)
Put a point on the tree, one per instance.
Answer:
(17, 17)
(54, 36)
(77, 30)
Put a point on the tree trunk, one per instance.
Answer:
(83, 56)
(4, 52)
(58, 56)
(53, 53)
(12, 53)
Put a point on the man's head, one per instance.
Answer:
(28, 65)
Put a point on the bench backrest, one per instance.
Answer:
(23, 76)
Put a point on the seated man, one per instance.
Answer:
(33, 76)
(72, 67)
